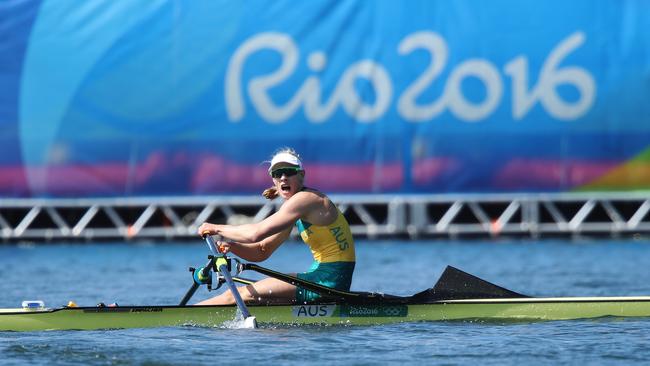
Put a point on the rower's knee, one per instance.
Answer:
(247, 293)
(228, 298)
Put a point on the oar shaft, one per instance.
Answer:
(223, 269)
(211, 244)
(311, 286)
(233, 289)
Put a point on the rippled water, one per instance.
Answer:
(157, 274)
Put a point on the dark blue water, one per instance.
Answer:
(157, 274)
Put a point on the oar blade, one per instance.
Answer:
(250, 322)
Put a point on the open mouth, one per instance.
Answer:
(285, 188)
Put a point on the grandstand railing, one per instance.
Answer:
(372, 216)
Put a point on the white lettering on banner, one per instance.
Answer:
(437, 47)
(550, 77)
(309, 93)
(452, 95)
(345, 93)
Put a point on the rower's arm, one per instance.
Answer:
(280, 221)
(262, 250)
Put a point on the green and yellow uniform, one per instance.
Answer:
(333, 249)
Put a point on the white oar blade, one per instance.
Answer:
(250, 323)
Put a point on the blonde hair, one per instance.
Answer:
(271, 193)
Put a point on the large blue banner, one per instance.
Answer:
(169, 97)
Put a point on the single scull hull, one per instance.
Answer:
(516, 309)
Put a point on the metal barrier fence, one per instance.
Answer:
(372, 216)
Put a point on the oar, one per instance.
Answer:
(327, 292)
(222, 266)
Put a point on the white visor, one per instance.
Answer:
(284, 157)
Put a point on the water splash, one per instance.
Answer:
(239, 322)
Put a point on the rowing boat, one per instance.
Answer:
(457, 295)
(472, 309)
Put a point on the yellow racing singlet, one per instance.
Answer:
(331, 243)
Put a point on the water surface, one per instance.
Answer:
(139, 274)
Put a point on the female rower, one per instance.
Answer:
(320, 223)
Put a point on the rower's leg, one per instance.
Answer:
(266, 291)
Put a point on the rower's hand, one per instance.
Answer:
(223, 246)
(207, 228)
